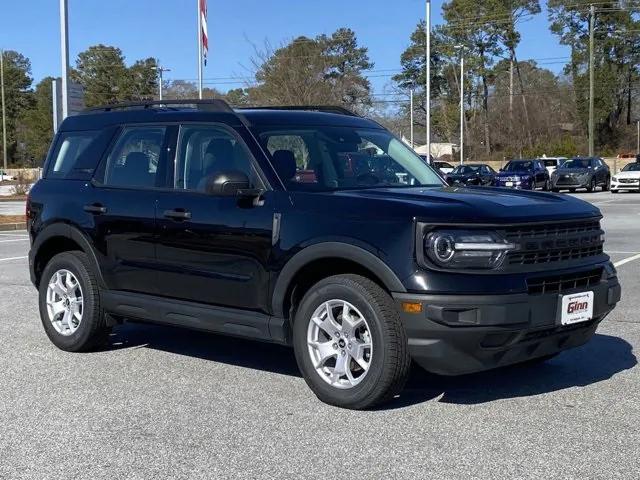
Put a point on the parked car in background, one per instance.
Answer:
(4, 176)
(444, 167)
(471, 174)
(523, 175)
(627, 179)
(589, 173)
(552, 163)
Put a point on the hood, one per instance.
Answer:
(461, 204)
(627, 175)
(520, 173)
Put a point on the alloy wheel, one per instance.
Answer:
(339, 344)
(65, 302)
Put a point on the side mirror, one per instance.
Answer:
(228, 184)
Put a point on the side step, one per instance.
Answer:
(196, 316)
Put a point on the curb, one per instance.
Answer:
(13, 226)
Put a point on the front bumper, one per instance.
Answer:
(625, 186)
(570, 183)
(460, 334)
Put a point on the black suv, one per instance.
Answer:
(314, 228)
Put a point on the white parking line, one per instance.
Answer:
(18, 240)
(627, 260)
(12, 258)
(13, 235)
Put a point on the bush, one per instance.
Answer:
(22, 185)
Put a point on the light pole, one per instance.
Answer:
(461, 49)
(592, 22)
(4, 112)
(64, 56)
(412, 144)
(428, 79)
(158, 68)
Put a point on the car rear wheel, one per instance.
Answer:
(70, 308)
(592, 186)
(607, 185)
(349, 343)
(547, 186)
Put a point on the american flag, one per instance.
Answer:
(204, 33)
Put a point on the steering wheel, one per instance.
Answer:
(368, 179)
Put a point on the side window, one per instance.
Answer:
(206, 151)
(135, 158)
(68, 150)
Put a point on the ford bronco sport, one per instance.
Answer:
(309, 227)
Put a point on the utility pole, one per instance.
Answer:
(462, 106)
(428, 85)
(592, 21)
(64, 56)
(4, 112)
(158, 68)
(412, 144)
(638, 146)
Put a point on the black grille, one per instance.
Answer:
(628, 180)
(564, 283)
(543, 244)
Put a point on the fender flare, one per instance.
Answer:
(340, 250)
(69, 232)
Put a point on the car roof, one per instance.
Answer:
(97, 119)
(275, 117)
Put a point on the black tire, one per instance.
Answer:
(390, 362)
(614, 191)
(607, 185)
(592, 186)
(547, 186)
(572, 190)
(555, 190)
(92, 331)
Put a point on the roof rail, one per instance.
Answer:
(309, 108)
(212, 105)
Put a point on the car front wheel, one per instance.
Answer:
(350, 344)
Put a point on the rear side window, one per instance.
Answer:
(69, 149)
(135, 159)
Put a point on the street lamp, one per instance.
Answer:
(460, 48)
(428, 79)
(160, 71)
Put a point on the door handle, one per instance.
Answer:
(95, 209)
(177, 214)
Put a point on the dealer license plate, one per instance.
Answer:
(509, 184)
(576, 308)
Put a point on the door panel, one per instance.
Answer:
(220, 255)
(123, 206)
(214, 249)
(124, 236)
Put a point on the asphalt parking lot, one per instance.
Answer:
(168, 403)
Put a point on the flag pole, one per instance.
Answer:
(199, 50)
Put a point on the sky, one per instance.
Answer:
(166, 29)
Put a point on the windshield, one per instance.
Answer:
(551, 163)
(577, 163)
(632, 167)
(466, 170)
(518, 166)
(341, 158)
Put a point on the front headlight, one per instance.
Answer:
(466, 249)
